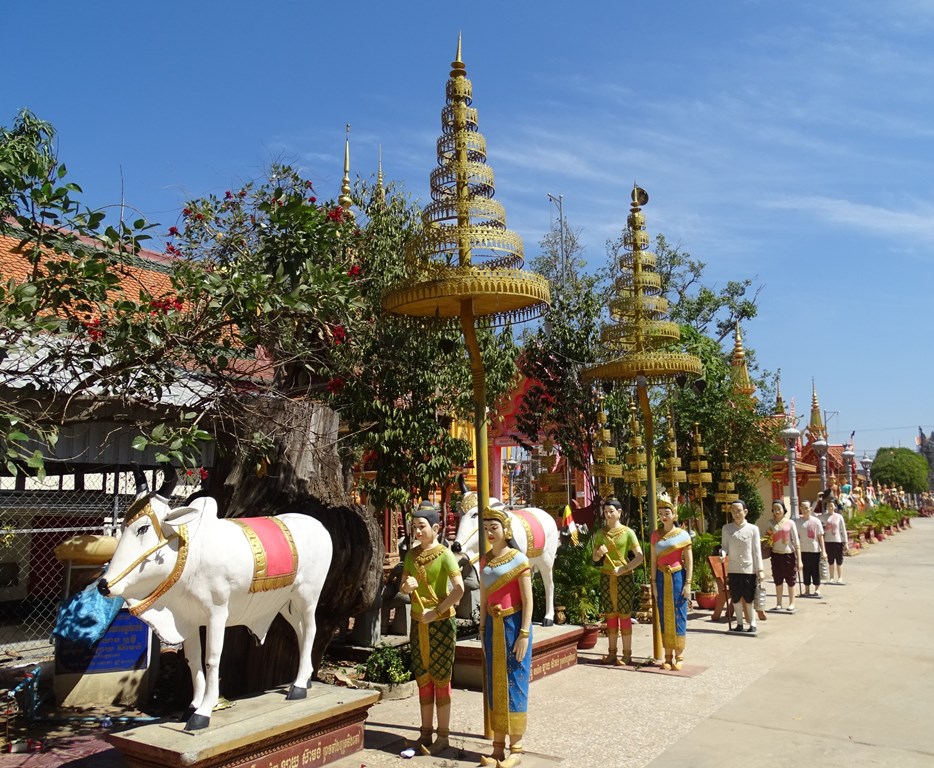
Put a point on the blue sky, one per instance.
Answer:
(788, 142)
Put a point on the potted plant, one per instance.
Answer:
(587, 614)
(703, 581)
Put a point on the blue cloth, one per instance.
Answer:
(85, 616)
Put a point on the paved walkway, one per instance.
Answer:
(846, 681)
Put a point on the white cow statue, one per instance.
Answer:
(184, 568)
(534, 531)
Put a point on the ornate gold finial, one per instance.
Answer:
(639, 329)
(779, 403)
(457, 56)
(465, 252)
(816, 429)
(345, 200)
(379, 176)
(742, 384)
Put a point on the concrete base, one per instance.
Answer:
(553, 649)
(262, 730)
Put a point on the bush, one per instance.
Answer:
(703, 545)
(389, 664)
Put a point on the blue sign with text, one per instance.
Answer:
(124, 647)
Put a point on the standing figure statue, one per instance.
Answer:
(672, 568)
(612, 546)
(505, 632)
(432, 577)
(739, 542)
(785, 554)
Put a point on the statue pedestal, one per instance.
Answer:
(260, 730)
(553, 649)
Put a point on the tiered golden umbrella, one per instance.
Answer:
(636, 472)
(725, 494)
(634, 341)
(672, 475)
(466, 266)
(699, 478)
(605, 467)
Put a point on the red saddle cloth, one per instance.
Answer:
(534, 531)
(275, 559)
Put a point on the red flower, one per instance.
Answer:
(204, 474)
(199, 216)
(189, 472)
(336, 214)
(354, 271)
(172, 250)
(307, 185)
(165, 305)
(93, 329)
(336, 385)
(186, 212)
(228, 195)
(339, 334)
(312, 199)
(173, 231)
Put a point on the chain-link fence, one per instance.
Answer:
(35, 517)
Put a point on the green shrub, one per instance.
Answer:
(702, 546)
(389, 664)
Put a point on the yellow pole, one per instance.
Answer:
(479, 402)
(642, 389)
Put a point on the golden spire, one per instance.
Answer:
(465, 252)
(742, 384)
(639, 329)
(380, 192)
(345, 200)
(816, 429)
(779, 403)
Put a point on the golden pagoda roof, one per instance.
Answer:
(739, 372)
(816, 429)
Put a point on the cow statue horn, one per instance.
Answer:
(141, 485)
(462, 484)
(170, 480)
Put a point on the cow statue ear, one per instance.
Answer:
(183, 515)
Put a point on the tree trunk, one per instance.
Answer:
(305, 478)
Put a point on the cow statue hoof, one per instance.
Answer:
(197, 722)
(296, 693)
(548, 622)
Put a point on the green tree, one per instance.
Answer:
(260, 305)
(901, 467)
(407, 380)
(559, 403)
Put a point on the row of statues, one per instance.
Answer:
(432, 578)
